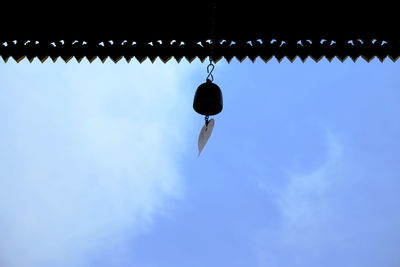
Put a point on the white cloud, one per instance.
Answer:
(88, 155)
(342, 213)
(303, 214)
(300, 202)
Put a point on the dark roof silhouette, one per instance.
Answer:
(165, 30)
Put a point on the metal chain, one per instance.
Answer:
(210, 77)
(214, 8)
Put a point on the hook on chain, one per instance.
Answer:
(210, 71)
(207, 121)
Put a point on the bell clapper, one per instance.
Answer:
(207, 121)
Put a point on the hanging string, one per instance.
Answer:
(211, 66)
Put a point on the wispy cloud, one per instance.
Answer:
(300, 201)
(333, 216)
(88, 158)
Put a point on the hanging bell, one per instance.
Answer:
(208, 99)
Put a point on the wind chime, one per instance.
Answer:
(208, 96)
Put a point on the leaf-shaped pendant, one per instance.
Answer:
(205, 133)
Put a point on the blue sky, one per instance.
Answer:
(99, 165)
